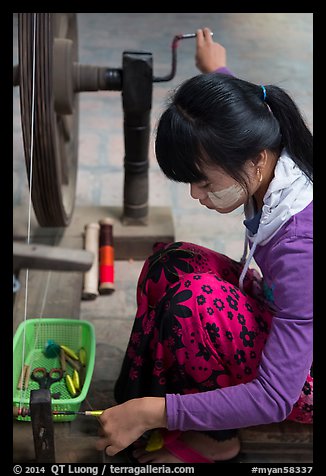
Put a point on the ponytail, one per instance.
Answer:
(296, 137)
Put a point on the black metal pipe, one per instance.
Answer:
(96, 78)
(137, 103)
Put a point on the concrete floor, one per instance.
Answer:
(265, 48)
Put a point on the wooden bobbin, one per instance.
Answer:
(106, 257)
(90, 286)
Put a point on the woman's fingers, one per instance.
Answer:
(207, 35)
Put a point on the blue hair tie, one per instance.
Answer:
(264, 92)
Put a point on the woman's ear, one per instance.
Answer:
(261, 160)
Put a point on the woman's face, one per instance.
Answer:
(223, 193)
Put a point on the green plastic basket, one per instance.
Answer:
(36, 332)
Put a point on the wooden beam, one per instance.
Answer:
(51, 293)
(131, 241)
(35, 256)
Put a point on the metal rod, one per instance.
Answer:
(24, 412)
(190, 35)
(95, 413)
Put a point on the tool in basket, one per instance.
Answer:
(44, 378)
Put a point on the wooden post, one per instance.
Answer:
(42, 423)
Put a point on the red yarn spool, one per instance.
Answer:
(106, 257)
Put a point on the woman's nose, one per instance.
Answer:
(197, 192)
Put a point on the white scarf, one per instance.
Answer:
(289, 192)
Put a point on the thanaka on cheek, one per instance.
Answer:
(227, 197)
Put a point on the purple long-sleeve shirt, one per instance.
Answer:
(287, 268)
(286, 261)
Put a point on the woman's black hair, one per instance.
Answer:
(218, 119)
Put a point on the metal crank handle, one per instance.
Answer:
(174, 46)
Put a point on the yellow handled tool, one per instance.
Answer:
(23, 412)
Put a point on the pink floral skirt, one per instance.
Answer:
(194, 329)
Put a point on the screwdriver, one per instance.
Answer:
(23, 412)
(85, 413)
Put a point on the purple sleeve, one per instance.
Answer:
(224, 70)
(285, 362)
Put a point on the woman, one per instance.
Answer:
(215, 346)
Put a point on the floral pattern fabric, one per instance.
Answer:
(194, 329)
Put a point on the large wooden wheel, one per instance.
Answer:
(50, 80)
(56, 112)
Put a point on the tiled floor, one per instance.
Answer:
(266, 48)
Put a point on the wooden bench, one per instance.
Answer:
(284, 442)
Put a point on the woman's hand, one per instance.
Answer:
(209, 55)
(123, 424)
